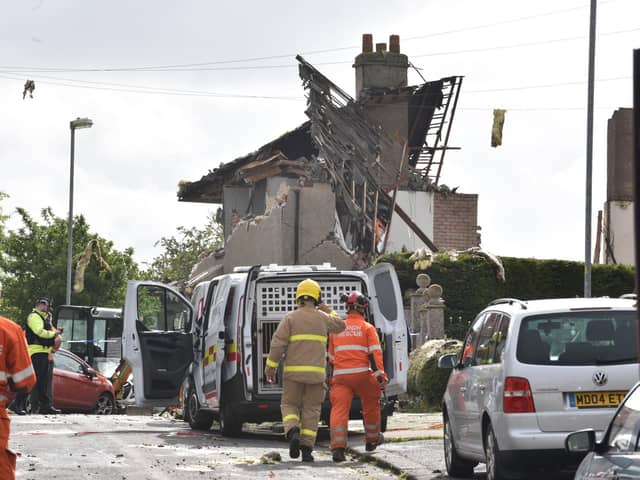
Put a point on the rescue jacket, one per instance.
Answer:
(302, 337)
(40, 332)
(357, 349)
(16, 371)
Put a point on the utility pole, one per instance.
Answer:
(590, 89)
(635, 168)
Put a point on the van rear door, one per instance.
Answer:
(157, 341)
(388, 314)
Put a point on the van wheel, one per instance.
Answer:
(493, 458)
(230, 425)
(456, 466)
(197, 419)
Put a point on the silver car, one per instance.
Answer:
(617, 456)
(529, 373)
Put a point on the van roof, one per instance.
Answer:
(274, 267)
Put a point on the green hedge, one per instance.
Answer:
(469, 283)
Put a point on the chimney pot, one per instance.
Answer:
(394, 43)
(367, 43)
(381, 47)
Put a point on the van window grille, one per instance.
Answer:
(274, 301)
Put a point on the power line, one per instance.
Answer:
(126, 87)
(24, 69)
(547, 85)
(194, 66)
(153, 90)
(519, 45)
(196, 93)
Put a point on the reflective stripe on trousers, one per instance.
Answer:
(300, 407)
(343, 387)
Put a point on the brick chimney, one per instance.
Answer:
(380, 68)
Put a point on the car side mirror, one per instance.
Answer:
(581, 441)
(90, 373)
(450, 360)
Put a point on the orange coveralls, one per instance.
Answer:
(16, 374)
(350, 352)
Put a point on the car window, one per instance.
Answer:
(501, 338)
(623, 433)
(469, 346)
(487, 339)
(68, 364)
(579, 338)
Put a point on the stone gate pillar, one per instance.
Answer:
(427, 311)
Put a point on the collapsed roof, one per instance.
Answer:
(356, 145)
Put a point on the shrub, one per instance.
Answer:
(425, 381)
(470, 283)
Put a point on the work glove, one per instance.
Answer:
(270, 374)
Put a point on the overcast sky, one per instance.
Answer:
(155, 127)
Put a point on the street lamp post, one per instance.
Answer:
(590, 88)
(73, 125)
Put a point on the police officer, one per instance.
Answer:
(353, 353)
(41, 337)
(303, 335)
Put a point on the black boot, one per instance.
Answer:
(371, 446)
(293, 435)
(306, 454)
(338, 455)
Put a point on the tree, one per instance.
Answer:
(181, 252)
(33, 264)
(3, 217)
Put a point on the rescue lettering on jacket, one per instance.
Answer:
(352, 331)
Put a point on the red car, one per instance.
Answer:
(77, 387)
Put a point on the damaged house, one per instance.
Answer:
(361, 177)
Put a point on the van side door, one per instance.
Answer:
(214, 336)
(388, 313)
(157, 341)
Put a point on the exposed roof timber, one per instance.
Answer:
(293, 144)
(351, 146)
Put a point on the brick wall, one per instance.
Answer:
(455, 221)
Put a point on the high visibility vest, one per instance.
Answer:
(356, 349)
(40, 332)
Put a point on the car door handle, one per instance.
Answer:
(463, 389)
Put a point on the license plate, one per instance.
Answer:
(597, 399)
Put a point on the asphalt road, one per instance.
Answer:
(121, 447)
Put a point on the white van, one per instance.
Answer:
(215, 346)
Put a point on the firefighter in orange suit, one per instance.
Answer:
(302, 337)
(16, 375)
(354, 353)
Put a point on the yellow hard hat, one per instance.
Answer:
(308, 288)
